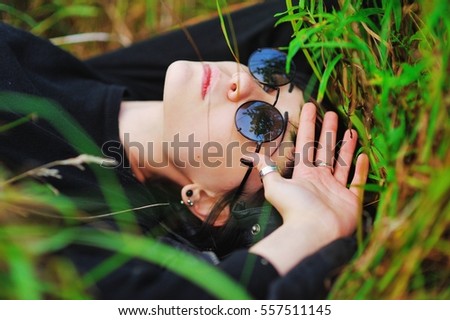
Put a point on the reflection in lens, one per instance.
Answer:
(259, 121)
(268, 66)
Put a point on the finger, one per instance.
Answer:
(345, 156)
(270, 179)
(304, 148)
(327, 140)
(264, 166)
(274, 184)
(360, 177)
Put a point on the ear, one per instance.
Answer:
(200, 203)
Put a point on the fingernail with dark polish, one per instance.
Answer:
(246, 162)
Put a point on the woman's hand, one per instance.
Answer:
(316, 205)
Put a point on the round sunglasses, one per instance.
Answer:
(260, 121)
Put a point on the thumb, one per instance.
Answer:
(266, 167)
(274, 184)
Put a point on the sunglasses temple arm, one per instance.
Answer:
(258, 147)
(239, 190)
(286, 121)
(278, 95)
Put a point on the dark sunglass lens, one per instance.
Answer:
(268, 66)
(259, 121)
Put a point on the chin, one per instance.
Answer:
(179, 76)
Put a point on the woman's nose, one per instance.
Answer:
(243, 86)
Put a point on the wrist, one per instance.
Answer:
(296, 239)
(321, 224)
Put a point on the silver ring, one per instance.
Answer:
(266, 170)
(324, 164)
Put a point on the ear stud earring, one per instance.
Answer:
(189, 202)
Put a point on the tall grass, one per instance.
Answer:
(90, 27)
(384, 67)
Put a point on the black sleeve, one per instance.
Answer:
(139, 279)
(134, 278)
(35, 70)
(33, 66)
(312, 277)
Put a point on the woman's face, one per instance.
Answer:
(200, 101)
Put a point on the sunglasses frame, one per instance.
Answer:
(285, 118)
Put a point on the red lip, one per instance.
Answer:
(206, 81)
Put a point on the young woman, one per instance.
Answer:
(203, 136)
